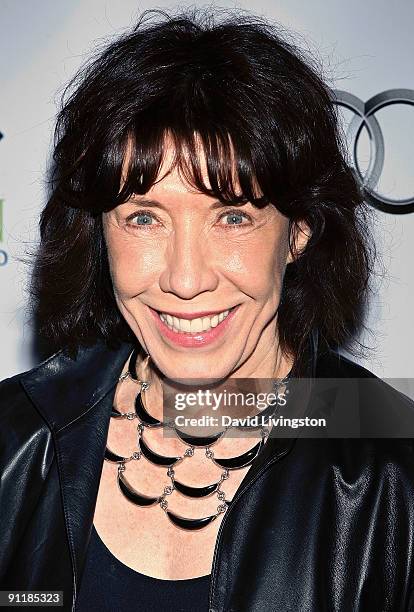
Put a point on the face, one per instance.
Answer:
(198, 282)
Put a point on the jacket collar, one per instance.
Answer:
(64, 389)
(75, 398)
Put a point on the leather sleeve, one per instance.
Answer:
(26, 454)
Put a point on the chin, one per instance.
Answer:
(192, 371)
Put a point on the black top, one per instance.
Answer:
(110, 586)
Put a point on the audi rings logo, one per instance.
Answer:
(364, 117)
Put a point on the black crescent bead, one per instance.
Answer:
(143, 415)
(115, 413)
(199, 441)
(110, 456)
(132, 364)
(155, 457)
(132, 494)
(234, 463)
(190, 524)
(195, 491)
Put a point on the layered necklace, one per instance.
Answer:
(146, 422)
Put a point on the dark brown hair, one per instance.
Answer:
(240, 85)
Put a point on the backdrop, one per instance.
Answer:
(366, 49)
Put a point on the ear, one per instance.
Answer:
(299, 236)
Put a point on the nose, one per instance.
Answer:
(189, 263)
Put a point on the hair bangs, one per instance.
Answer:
(211, 162)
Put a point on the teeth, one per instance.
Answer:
(194, 325)
(214, 321)
(184, 325)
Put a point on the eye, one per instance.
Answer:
(235, 217)
(143, 218)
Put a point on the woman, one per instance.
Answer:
(202, 224)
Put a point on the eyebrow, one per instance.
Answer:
(156, 204)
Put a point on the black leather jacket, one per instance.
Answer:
(316, 525)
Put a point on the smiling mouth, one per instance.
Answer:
(196, 325)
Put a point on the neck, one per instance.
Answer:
(273, 364)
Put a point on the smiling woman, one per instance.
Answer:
(189, 271)
(240, 116)
(203, 227)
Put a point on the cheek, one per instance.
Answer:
(132, 268)
(258, 268)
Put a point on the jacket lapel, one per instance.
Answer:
(75, 398)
